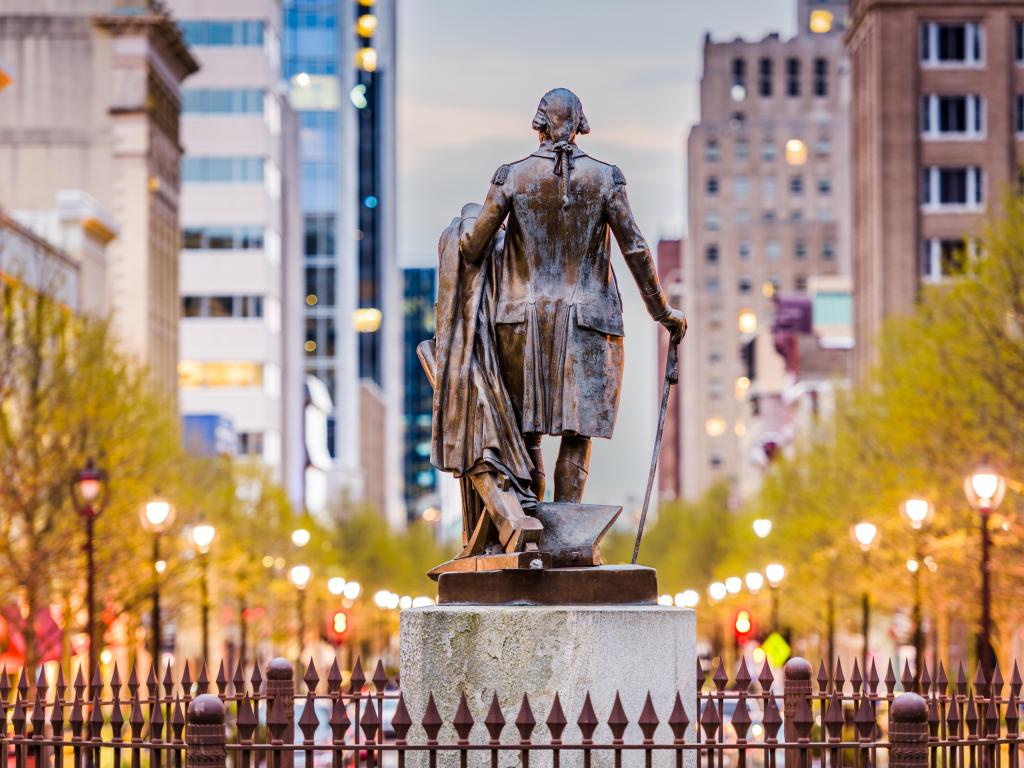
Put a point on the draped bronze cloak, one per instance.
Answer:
(474, 425)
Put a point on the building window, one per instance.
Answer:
(742, 149)
(711, 284)
(711, 185)
(250, 443)
(956, 44)
(796, 185)
(768, 185)
(222, 169)
(823, 147)
(821, 77)
(711, 151)
(712, 221)
(319, 234)
(715, 388)
(716, 461)
(824, 186)
(1018, 42)
(711, 254)
(944, 258)
(765, 73)
(745, 250)
(223, 32)
(222, 238)
(952, 187)
(222, 101)
(222, 306)
(828, 250)
(768, 151)
(744, 285)
(800, 283)
(1020, 114)
(715, 355)
(952, 116)
(742, 184)
(739, 79)
(772, 250)
(800, 250)
(742, 216)
(821, 21)
(792, 77)
(202, 373)
(796, 215)
(768, 216)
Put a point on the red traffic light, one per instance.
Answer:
(743, 624)
(339, 624)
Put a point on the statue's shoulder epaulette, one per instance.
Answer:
(501, 174)
(617, 176)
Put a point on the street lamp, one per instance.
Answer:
(301, 537)
(917, 512)
(865, 534)
(754, 581)
(157, 515)
(300, 576)
(775, 573)
(985, 489)
(203, 535)
(89, 495)
(762, 527)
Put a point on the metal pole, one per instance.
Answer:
(156, 602)
(301, 603)
(205, 607)
(918, 621)
(243, 634)
(986, 656)
(831, 629)
(866, 617)
(90, 575)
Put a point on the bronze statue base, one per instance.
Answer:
(601, 585)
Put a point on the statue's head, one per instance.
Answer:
(560, 116)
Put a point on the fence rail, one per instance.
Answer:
(799, 718)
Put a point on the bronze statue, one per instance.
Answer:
(530, 335)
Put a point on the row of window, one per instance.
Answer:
(222, 101)
(772, 251)
(223, 32)
(766, 78)
(795, 150)
(768, 186)
(222, 306)
(222, 238)
(745, 286)
(713, 219)
(222, 169)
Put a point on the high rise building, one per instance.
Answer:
(241, 274)
(94, 105)
(339, 60)
(937, 125)
(767, 210)
(420, 477)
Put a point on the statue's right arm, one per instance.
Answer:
(476, 234)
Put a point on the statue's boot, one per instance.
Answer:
(516, 529)
(572, 468)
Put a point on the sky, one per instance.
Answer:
(470, 74)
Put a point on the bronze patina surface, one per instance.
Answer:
(603, 585)
(528, 342)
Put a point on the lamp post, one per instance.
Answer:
(775, 573)
(985, 489)
(865, 534)
(89, 495)
(917, 512)
(300, 576)
(203, 535)
(157, 515)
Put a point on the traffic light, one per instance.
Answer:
(744, 626)
(339, 624)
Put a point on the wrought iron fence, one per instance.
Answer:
(259, 720)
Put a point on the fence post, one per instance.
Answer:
(796, 688)
(908, 732)
(205, 739)
(281, 685)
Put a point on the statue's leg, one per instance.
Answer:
(515, 527)
(532, 440)
(572, 468)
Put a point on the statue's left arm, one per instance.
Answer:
(638, 257)
(478, 233)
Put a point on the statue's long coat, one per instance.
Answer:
(558, 316)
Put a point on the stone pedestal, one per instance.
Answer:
(449, 650)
